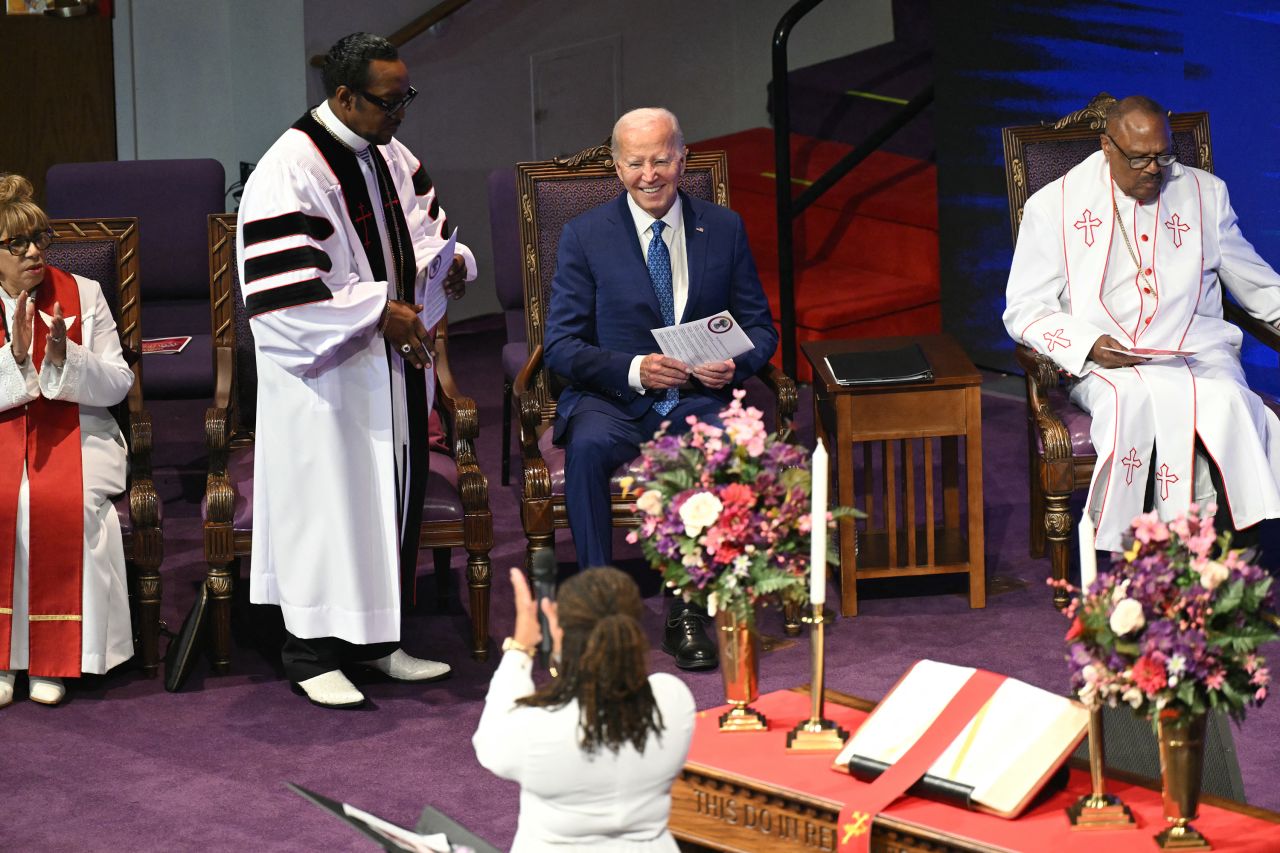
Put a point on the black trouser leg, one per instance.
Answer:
(307, 658)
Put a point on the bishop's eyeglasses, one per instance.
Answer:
(1140, 163)
(391, 107)
(19, 245)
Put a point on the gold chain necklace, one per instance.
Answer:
(1132, 254)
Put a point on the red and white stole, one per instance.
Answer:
(1091, 240)
(45, 434)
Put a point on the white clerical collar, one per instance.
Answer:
(325, 115)
(644, 221)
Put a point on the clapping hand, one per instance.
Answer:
(20, 335)
(55, 349)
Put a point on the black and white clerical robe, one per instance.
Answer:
(321, 249)
(1091, 261)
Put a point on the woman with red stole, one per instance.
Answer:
(64, 607)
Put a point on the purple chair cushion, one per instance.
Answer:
(553, 456)
(513, 358)
(442, 502)
(504, 232)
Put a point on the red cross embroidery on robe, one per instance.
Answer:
(1165, 477)
(1056, 339)
(1086, 223)
(363, 221)
(1177, 226)
(1131, 463)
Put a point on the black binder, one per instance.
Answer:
(431, 822)
(905, 364)
(184, 649)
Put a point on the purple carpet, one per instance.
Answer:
(123, 765)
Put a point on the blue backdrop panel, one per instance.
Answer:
(1002, 64)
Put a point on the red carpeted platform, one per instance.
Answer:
(866, 252)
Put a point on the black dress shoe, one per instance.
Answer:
(687, 641)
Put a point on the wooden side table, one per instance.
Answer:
(898, 417)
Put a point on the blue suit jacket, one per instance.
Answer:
(603, 305)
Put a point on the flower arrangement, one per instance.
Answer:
(724, 513)
(1174, 626)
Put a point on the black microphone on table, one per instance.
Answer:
(543, 573)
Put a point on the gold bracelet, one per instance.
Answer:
(511, 645)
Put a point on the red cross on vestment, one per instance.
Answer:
(1131, 464)
(1165, 477)
(1177, 226)
(363, 221)
(1086, 223)
(1056, 339)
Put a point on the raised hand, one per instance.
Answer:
(55, 349)
(20, 334)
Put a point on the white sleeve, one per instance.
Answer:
(1242, 270)
(94, 373)
(302, 290)
(500, 739)
(1037, 308)
(18, 382)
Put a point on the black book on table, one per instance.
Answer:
(904, 364)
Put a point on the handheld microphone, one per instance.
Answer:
(543, 573)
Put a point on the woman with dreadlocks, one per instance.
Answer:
(597, 748)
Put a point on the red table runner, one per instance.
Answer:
(763, 757)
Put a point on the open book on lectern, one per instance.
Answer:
(1013, 745)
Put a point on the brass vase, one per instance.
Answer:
(1181, 764)
(739, 647)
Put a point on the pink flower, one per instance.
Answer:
(737, 495)
(1149, 675)
(1260, 694)
(1215, 679)
(1148, 528)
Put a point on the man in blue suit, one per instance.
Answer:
(652, 257)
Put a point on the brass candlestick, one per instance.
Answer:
(1098, 810)
(816, 733)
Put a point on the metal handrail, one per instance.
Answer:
(789, 208)
(414, 28)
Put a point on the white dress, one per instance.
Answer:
(603, 802)
(1152, 277)
(95, 376)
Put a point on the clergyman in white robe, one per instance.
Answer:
(96, 377)
(1152, 278)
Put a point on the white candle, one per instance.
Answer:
(1088, 553)
(818, 527)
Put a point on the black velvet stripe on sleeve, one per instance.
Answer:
(287, 296)
(421, 181)
(287, 225)
(288, 260)
(434, 210)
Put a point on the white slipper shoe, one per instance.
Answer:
(6, 687)
(403, 667)
(331, 690)
(47, 691)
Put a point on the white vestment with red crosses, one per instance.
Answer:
(1074, 279)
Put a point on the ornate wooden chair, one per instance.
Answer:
(106, 250)
(456, 512)
(1060, 452)
(551, 192)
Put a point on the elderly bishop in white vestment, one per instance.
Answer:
(1091, 260)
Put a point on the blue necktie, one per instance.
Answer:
(659, 261)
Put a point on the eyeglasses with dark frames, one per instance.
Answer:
(19, 245)
(1140, 163)
(390, 108)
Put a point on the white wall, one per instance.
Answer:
(223, 79)
(200, 79)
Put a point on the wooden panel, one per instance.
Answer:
(909, 415)
(61, 79)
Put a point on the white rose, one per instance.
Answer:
(1213, 574)
(1127, 617)
(700, 512)
(650, 502)
(712, 603)
(1133, 696)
